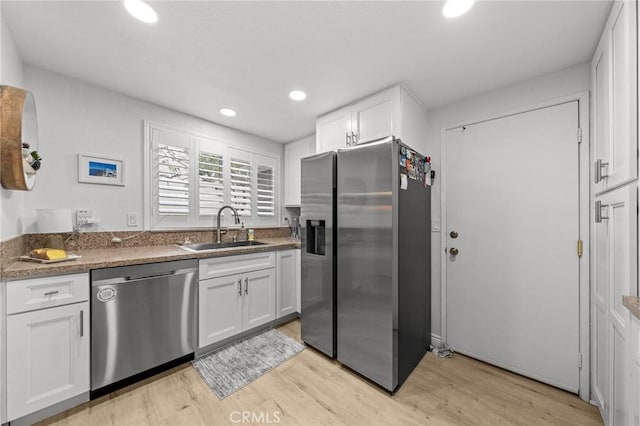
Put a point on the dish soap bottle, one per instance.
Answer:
(242, 236)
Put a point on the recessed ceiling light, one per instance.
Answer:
(297, 95)
(455, 8)
(228, 112)
(141, 11)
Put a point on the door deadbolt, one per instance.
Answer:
(454, 251)
(453, 234)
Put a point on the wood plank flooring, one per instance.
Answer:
(310, 389)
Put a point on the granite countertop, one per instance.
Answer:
(111, 257)
(633, 304)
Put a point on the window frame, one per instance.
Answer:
(207, 144)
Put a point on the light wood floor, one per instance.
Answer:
(310, 389)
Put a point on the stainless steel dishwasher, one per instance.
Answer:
(143, 318)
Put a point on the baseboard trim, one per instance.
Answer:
(436, 341)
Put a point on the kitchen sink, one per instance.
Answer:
(215, 246)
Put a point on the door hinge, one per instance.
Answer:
(580, 248)
(579, 135)
(579, 360)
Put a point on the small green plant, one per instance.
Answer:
(36, 160)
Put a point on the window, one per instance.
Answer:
(189, 178)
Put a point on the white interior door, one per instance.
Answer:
(512, 295)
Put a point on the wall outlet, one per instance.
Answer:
(132, 219)
(83, 216)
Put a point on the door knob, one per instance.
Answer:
(453, 234)
(454, 251)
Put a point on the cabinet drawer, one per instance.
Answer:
(38, 293)
(229, 265)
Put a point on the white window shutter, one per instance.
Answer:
(265, 191)
(241, 187)
(210, 183)
(173, 180)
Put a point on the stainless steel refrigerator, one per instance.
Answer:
(379, 283)
(317, 232)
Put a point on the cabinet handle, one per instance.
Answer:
(598, 211)
(348, 139)
(246, 286)
(354, 139)
(51, 293)
(82, 323)
(240, 287)
(597, 173)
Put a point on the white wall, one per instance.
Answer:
(548, 87)
(11, 74)
(75, 117)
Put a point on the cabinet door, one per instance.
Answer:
(600, 73)
(47, 358)
(293, 153)
(615, 275)
(635, 371)
(623, 158)
(219, 309)
(376, 117)
(333, 129)
(259, 298)
(615, 96)
(286, 297)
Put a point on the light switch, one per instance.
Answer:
(435, 225)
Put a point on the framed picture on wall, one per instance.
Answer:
(100, 170)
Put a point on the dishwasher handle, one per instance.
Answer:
(148, 277)
(135, 278)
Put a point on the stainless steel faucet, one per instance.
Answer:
(235, 214)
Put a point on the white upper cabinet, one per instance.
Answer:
(333, 130)
(375, 117)
(293, 153)
(614, 73)
(392, 112)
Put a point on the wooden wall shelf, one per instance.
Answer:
(18, 124)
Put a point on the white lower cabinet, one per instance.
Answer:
(47, 358)
(259, 298)
(634, 393)
(220, 309)
(287, 285)
(235, 303)
(238, 301)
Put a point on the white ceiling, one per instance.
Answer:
(201, 56)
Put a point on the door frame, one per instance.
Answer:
(583, 222)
